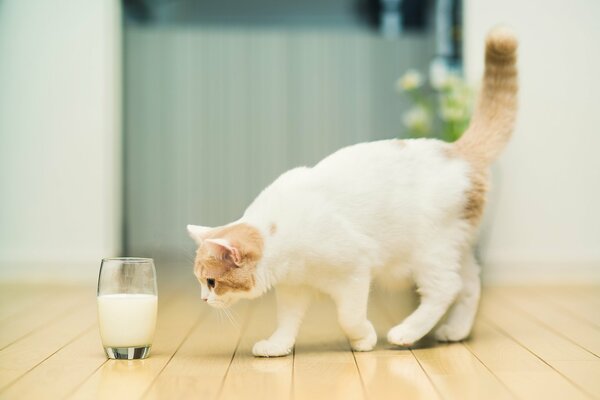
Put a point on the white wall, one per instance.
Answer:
(59, 137)
(544, 223)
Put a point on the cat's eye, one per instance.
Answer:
(210, 283)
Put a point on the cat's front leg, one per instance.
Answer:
(292, 302)
(351, 298)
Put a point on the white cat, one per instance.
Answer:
(384, 209)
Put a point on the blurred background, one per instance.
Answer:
(121, 122)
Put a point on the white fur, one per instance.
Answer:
(386, 209)
(197, 232)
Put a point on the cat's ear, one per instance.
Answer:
(224, 250)
(198, 233)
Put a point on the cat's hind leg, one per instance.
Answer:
(351, 298)
(292, 302)
(438, 284)
(461, 316)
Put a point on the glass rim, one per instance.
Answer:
(130, 259)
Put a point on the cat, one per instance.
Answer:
(378, 210)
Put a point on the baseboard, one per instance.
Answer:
(537, 273)
(85, 272)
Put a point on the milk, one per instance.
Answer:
(127, 320)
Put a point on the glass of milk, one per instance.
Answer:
(127, 304)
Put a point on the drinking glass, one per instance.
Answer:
(127, 305)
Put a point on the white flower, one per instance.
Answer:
(417, 119)
(438, 74)
(452, 82)
(411, 80)
(455, 100)
(453, 112)
(443, 77)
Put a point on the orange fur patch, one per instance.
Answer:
(229, 276)
(476, 195)
(493, 121)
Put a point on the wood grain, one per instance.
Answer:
(269, 378)
(324, 365)
(539, 342)
(199, 366)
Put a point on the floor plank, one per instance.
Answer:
(258, 378)
(132, 378)
(199, 366)
(56, 377)
(458, 374)
(581, 302)
(522, 372)
(324, 366)
(23, 323)
(15, 299)
(388, 371)
(23, 355)
(584, 373)
(566, 357)
(561, 321)
(537, 337)
(453, 369)
(560, 353)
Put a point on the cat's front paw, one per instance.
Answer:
(267, 348)
(402, 336)
(365, 343)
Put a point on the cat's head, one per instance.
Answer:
(226, 261)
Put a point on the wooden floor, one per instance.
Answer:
(528, 343)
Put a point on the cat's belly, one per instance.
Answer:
(394, 275)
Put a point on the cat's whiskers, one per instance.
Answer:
(231, 318)
(234, 314)
(220, 313)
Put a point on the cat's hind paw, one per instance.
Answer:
(267, 348)
(451, 333)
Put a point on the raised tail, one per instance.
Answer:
(493, 122)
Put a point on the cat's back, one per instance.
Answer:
(381, 152)
(370, 182)
(388, 175)
(408, 160)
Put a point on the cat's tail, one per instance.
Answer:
(493, 122)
